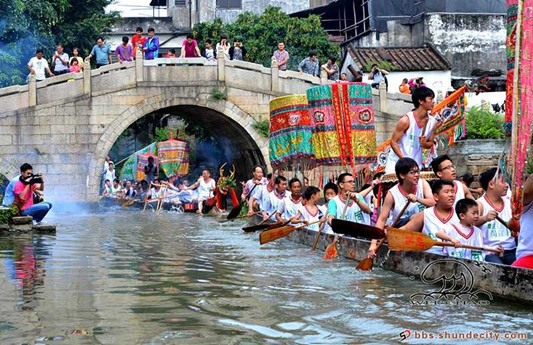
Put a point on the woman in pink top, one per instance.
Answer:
(189, 48)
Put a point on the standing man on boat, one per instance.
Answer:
(206, 187)
(414, 131)
(347, 205)
(524, 250)
(494, 203)
(254, 199)
(290, 205)
(444, 168)
(275, 198)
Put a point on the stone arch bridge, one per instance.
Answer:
(66, 125)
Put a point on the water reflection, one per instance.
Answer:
(121, 278)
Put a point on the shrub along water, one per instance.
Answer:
(483, 124)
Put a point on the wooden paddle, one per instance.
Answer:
(260, 226)
(406, 240)
(315, 242)
(346, 227)
(239, 217)
(331, 250)
(368, 263)
(276, 233)
(237, 209)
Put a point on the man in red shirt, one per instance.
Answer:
(23, 191)
(137, 41)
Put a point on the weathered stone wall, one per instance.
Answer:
(475, 156)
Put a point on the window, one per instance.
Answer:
(227, 4)
(179, 2)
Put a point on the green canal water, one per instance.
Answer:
(133, 278)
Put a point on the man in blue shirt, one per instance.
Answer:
(9, 197)
(102, 52)
(151, 45)
(309, 65)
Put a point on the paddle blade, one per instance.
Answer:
(365, 265)
(235, 211)
(408, 240)
(331, 251)
(255, 228)
(354, 229)
(274, 234)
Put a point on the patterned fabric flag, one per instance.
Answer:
(142, 161)
(342, 118)
(174, 157)
(129, 169)
(290, 133)
(512, 11)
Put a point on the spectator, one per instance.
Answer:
(171, 53)
(404, 87)
(332, 69)
(224, 45)
(60, 61)
(124, 51)
(106, 163)
(377, 75)
(309, 65)
(75, 67)
(344, 77)
(37, 65)
(23, 191)
(137, 41)
(102, 53)
(416, 83)
(281, 56)
(76, 56)
(151, 45)
(109, 173)
(151, 171)
(209, 53)
(189, 48)
(237, 52)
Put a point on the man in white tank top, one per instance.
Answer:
(414, 131)
(258, 181)
(410, 188)
(206, 187)
(491, 204)
(524, 250)
(275, 198)
(441, 217)
(291, 205)
(347, 205)
(444, 168)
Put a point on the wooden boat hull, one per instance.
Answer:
(479, 277)
(109, 202)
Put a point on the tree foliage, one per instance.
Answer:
(261, 33)
(483, 124)
(29, 25)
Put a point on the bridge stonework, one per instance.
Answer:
(66, 125)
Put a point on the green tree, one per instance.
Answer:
(261, 34)
(28, 25)
(483, 124)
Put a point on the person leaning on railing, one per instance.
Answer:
(24, 194)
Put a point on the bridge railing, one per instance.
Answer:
(239, 74)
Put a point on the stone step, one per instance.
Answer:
(22, 220)
(44, 228)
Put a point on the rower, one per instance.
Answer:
(414, 131)
(410, 187)
(494, 203)
(347, 205)
(206, 187)
(257, 179)
(262, 197)
(311, 212)
(524, 250)
(275, 198)
(444, 168)
(289, 206)
(439, 217)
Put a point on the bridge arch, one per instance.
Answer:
(214, 115)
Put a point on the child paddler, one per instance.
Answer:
(291, 205)
(311, 212)
(347, 205)
(414, 131)
(444, 168)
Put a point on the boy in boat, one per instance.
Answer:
(444, 168)
(330, 191)
(494, 203)
(290, 206)
(259, 180)
(275, 198)
(410, 188)
(464, 232)
(347, 205)
(524, 250)
(310, 212)
(414, 131)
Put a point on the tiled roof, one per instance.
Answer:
(425, 58)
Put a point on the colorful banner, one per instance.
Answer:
(342, 119)
(174, 157)
(512, 11)
(290, 133)
(129, 169)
